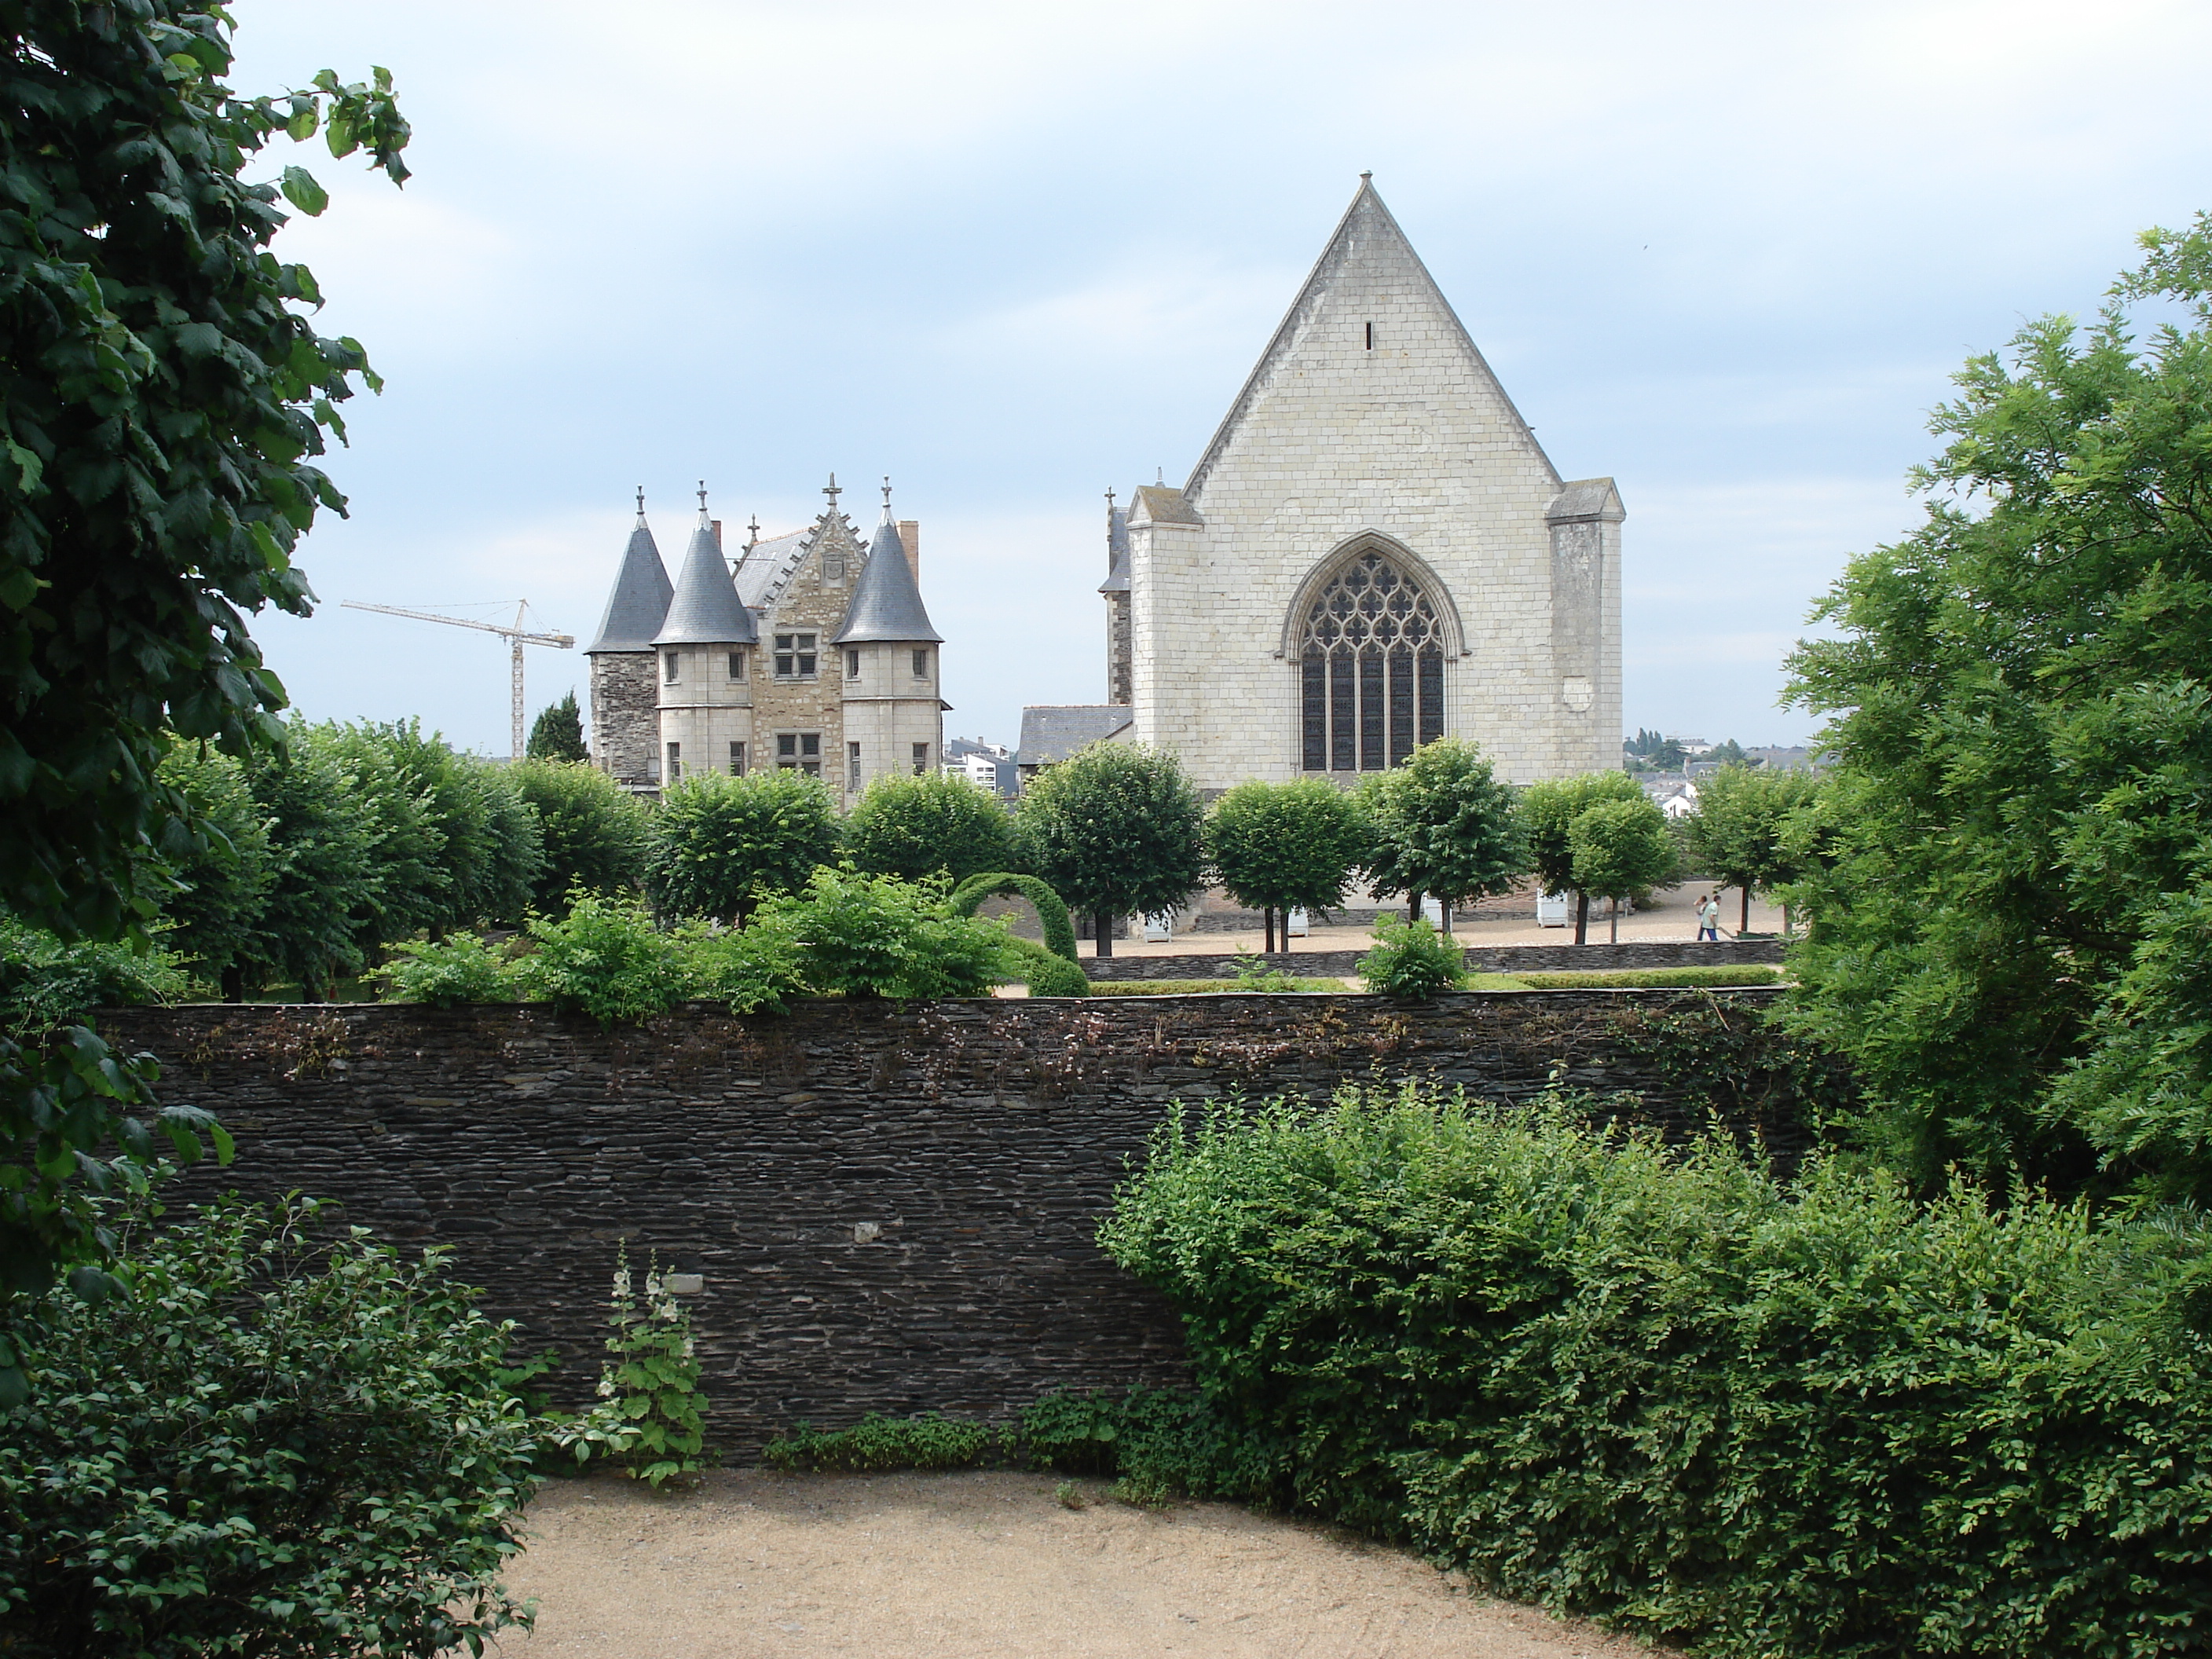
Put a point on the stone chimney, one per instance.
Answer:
(717, 523)
(910, 538)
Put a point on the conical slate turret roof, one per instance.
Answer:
(706, 608)
(640, 601)
(886, 603)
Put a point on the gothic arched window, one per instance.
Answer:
(1370, 670)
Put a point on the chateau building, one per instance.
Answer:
(1374, 552)
(809, 653)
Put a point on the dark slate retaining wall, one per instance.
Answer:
(1482, 958)
(892, 1205)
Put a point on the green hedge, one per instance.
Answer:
(1181, 987)
(1636, 978)
(1052, 914)
(1661, 1388)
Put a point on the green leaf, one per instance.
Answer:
(301, 191)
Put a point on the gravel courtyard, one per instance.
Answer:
(972, 1565)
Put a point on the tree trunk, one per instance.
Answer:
(1444, 918)
(1744, 926)
(1581, 918)
(1266, 930)
(1412, 906)
(1614, 917)
(234, 983)
(1102, 925)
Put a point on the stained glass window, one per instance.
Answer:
(1370, 670)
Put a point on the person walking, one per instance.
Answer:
(1709, 918)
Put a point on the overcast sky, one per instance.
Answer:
(1012, 255)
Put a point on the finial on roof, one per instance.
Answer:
(1367, 178)
(1109, 503)
(752, 533)
(831, 490)
(887, 498)
(641, 503)
(702, 498)
(1160, 476)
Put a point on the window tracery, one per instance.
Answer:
(1370, 670)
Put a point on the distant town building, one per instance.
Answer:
(1053, 732)
(809, 653)
(987, 766)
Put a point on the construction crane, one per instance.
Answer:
(517, 636)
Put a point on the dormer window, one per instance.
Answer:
(671, 665)
(736, 665)
(795, 656)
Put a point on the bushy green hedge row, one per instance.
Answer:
(1651, 978)
(1664, 1388)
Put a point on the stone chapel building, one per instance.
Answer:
(809, 653)
(1374, 552)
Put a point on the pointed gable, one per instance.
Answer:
(1368, 278)
(886, 601)
(639, 603)
(705, 608)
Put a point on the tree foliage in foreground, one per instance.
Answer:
(164, 397)
(262, 1444)
(717, 845)
(2012, 908)
(1117, 831)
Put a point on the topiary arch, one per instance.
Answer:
(1059, 931)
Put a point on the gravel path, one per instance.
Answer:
(905, 1566)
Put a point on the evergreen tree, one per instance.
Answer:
(557, 734)
(1117, 831)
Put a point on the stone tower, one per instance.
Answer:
(893, 716)
(1116, 587)
(706, 645)
(625, 716)
(1373, 551)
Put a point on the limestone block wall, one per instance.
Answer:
(707, 708)
(889, 708)
(893, 1205)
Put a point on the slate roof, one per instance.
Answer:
(887, 602)
(1053, 732)
(1162, 504)
(705, 608)
(767, 566)
(1584, 500)
(640, 600)
(1117, 552)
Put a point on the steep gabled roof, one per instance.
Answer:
(1053, 732)
(887, 602)
(1368, 237)
(638, 602)
(1586, 501)
(705, 608)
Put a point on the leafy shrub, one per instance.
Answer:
(1411, 962)
(1058, 927)
(1638, 978)
(717, 845)
(877, 936)
(1666, 1389)
(650, 1418)
(605, 957)
(748, 970)
(926, 826)
(876, 1441)
(594, 829)
(447, 973)
(261, 1445)
(44, 984)
(1159, 1442)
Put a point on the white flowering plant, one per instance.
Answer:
(650, 1416)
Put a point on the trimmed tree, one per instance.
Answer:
(1280, 846)
(1620, 848)
(1443, 825)
(717, 845)
(558, 733)
(591, 828)
(223, 881)
(1738, 831)
(1117, 831)
(915, 827)
(1053, 920)
(1547, 810)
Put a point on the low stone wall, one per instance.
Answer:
(892, 1205)
(1480, 959)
